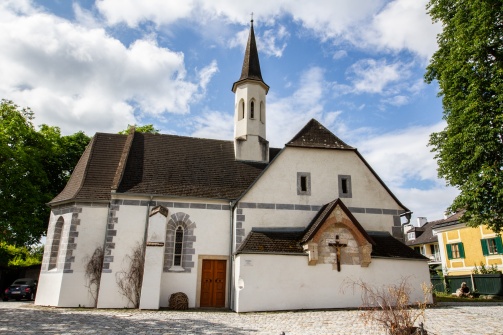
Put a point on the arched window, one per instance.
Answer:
(262, 112)
(179, 247)
(177, 255)
(56, 241)
(241, 109)
(252, 109)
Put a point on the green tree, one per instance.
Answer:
(148, 128)
(468, 66)
(34, 167)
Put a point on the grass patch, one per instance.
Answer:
(447, 297)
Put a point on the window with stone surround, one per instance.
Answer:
(345, 189)
(303, 183)
(56, 243)
(180, 238)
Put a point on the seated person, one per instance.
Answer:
(463, 291)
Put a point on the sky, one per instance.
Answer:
(356, 66)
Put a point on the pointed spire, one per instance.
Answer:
(251, 64)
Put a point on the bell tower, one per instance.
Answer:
(250, 92)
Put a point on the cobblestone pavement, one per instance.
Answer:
(25, 318)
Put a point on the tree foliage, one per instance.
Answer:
(148, 128)
(12, 256)
(469, 69)
(34, 167)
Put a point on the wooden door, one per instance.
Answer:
(213, 283)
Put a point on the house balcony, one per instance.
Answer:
(435, 258)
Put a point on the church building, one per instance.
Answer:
(232, 224)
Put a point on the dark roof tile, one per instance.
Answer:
(186, 166)
(315, 135)
(389, 247)
(283, 241)
(94, 173)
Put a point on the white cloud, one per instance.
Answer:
(270, 42)
(397, 100)
(214, 124)
(381, 24)
(371, 76)
(65, 71)
(132, 12)
(404, 24)
(402, 157)
(285, 115)
(339, 54)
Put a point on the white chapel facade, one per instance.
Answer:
(232, 224)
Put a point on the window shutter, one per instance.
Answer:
(449, 251)
(499, 245)
(461, 250)
(485, 250)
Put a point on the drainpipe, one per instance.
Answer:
(231, 258)
(407, 216)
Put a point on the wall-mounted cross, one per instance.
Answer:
(338, 245)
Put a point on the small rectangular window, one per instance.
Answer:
(303, 183)
(344, 185)
(345, 189)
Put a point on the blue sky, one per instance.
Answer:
(355, 65)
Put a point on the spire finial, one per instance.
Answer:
(251, 18)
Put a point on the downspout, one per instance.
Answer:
(230, 292)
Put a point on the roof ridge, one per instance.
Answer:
(121, 167)
(316, 135)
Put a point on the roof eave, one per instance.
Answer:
(250, 80)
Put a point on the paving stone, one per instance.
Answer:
(25, 318)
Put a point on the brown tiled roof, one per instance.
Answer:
(315, 135)
(271, 240)
(95, 171)
(276, 241)
(186, 166)
(451, 220)
(321, 216)
(426, 234)
(387, 246)
(159, 164)
(290, 240)
(251, 64)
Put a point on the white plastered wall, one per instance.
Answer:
(278, 185)
(212, 234)
(279, 282)
(130, 233)
(69, 289)
(247, 126)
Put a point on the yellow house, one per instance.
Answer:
(463, 248)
